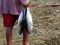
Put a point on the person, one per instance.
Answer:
(10, 10)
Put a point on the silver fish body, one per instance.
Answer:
(25, 21)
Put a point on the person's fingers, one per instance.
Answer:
(25, 2)
(25, 5)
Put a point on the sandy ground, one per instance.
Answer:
(46, 29)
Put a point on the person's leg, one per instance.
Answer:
(8, 23)
(25, 37)
(9, 35)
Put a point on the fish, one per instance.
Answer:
(25, 21)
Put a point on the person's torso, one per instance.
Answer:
(10, 6)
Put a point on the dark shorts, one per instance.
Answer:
(9, 20)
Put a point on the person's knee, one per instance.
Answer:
(8, 28)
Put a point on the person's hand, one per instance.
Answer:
(25, 3)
